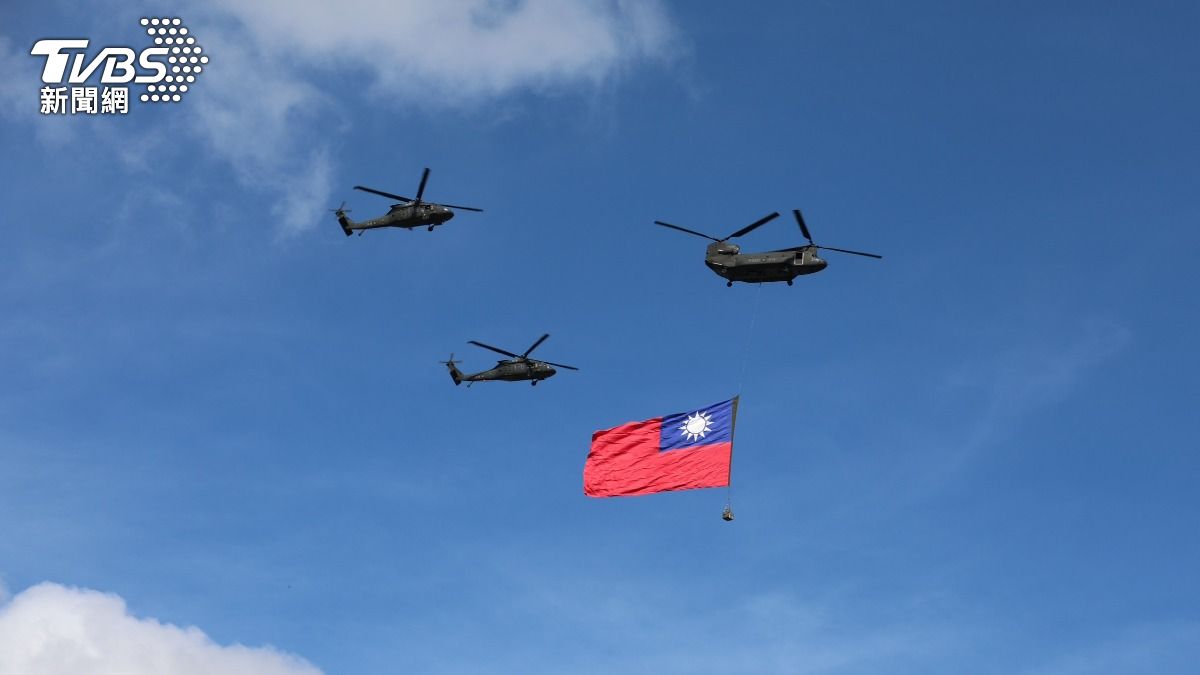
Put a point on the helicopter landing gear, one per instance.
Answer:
(431, 228)
(533, 383)
(789, 282)
(728, 284)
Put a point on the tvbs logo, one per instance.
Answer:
(118, 63)
(167, 69)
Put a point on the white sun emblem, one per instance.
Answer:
(696, 426)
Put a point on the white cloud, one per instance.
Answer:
(985, 401)
(258, 111)
(54, 630)
(255, 113)
(20, 86)
(1025, 380)
(448, 51)
(15, 95)
(257, 107)
(797, 629)
(1153, 649)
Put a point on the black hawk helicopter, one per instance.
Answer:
(727, 260)
(519, 367)
(409, 214)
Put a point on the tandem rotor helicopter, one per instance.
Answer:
(518, 367)
(409, 214)
(727, 260)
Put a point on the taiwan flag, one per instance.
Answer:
(675, 452)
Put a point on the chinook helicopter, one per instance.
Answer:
(727, 260)
(518, 367)
(409, 214)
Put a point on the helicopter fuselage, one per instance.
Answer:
(731, 264)
(409, 216)
(513, 370)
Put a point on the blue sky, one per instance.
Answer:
(976, 455)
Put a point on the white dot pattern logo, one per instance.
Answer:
(180, 59)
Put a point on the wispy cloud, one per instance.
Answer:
(769, 631)
(1028, 378)
(959, 410)
(266, 122)
(778, 632)
(260, 112)
(259, 107)
(433, 51)
(20, 83)
(15, 85)
(55, 630)
(1158, 649)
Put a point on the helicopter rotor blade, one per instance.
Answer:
(535, 345)
(462, 208)
(684, 229)
(495, 349)
(842, 250)
(381, 193)
(803, 227)
(559, 365)
(421, 187)
(755, 225)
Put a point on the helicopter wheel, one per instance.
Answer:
(789, 282)
(431, 228)
(728, 284)
(533, 383)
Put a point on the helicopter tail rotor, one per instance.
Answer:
(455, 373)
(343, 219)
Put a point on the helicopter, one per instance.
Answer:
(409, 214)
(518, 367)
(727, 260)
